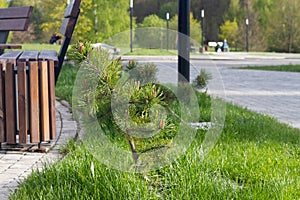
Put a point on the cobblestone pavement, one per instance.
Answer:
(276, 94)
(273, 93)
(15, 166)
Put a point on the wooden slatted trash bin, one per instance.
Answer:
(27, 98)
(27, 83)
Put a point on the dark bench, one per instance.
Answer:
(13, 19)
(27, 88)
(66, 29)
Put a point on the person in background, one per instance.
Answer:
(225, 47)
(218, 48)
(54, 38)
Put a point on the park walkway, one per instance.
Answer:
(16, 165)
(276, 94)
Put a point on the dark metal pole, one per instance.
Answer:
(184, 40)
(131, 16)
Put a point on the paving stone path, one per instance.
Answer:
(276, 94)
(15, 166)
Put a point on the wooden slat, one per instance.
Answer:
(14, 24)
(10, 56)
(16, 12)
(2, 107)
(52, 99)
(10, 105)
(48, 55)
(22, 102)
(29, 56)
(44, 104)
(72, 9)
(10, 46)
(34, 102)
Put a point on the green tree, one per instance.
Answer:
(3, 4)
(230, 32)
(257, 11)
(54, 15)
(170, 7)
(98, 20)
(195, 29)
(248, 9)
(214, 13)
(53, 11)
(20, 2)
(156, 38)
(150, 33)
(284, 26)
(234, 11)
(263, 7)
(109, 18)
(152, 21)
(34, 30)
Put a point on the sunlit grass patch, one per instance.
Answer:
(282, 68)
(256, 157)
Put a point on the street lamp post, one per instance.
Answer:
(202, 27)
(184, 41)
(247, 34)
(131, 16)
(168, 18)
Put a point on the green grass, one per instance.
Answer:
(283, 68)
(37, 47)
(151, 52)
(156, 52)
(64, 85)
(256, 157)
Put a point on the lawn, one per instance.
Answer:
(256, 157)
(37, 47)
(136, 51)
(151, 52)
(64, 85)
(283, 68)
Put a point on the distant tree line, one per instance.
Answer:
(273, 24)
